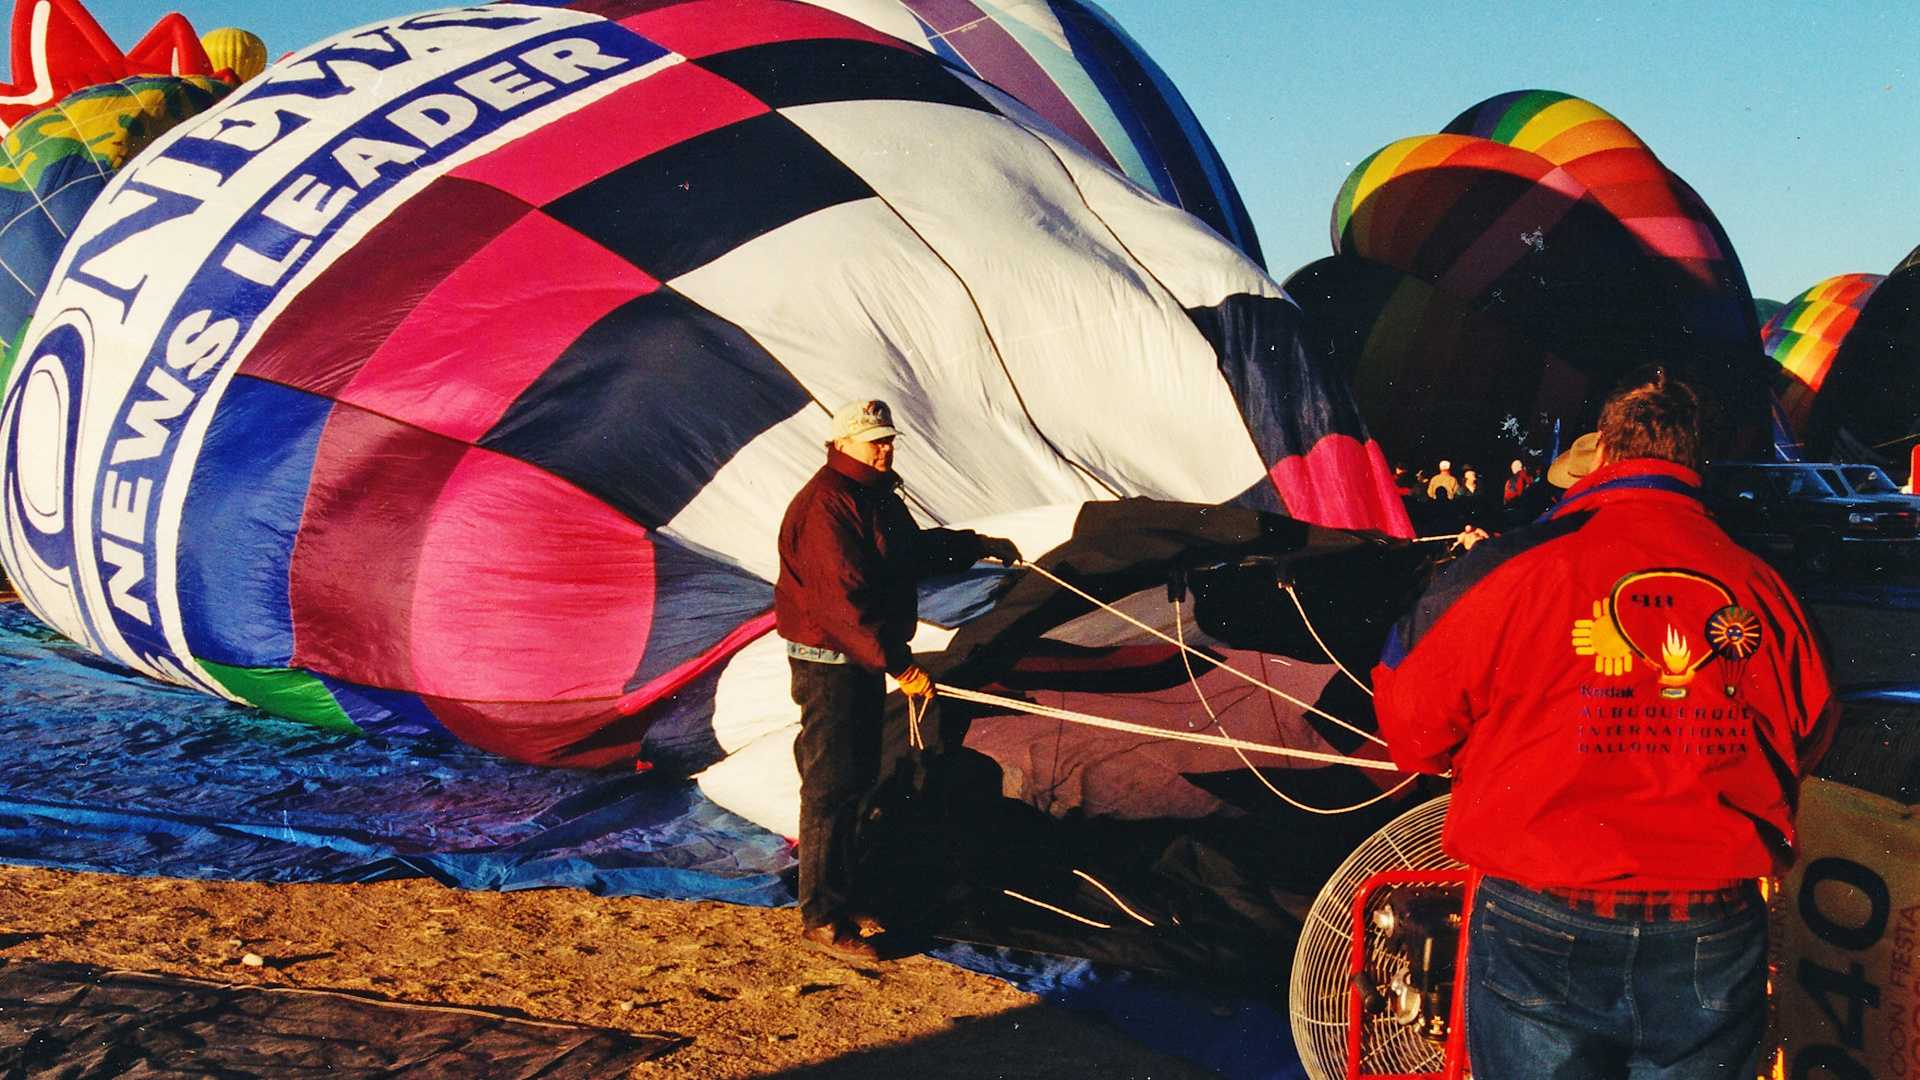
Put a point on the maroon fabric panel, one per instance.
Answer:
(319, 342)
(637, 121)
(356, 560)
(621, 9)
(545, 732)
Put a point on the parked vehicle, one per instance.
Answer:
(1817, 517)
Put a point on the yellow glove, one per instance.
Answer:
(915, 683)
(1597, 637)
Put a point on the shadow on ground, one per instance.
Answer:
(1027, 1044)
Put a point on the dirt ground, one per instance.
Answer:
(730, 981)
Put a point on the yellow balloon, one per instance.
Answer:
(240, 51)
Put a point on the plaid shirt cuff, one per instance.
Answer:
(1660, 905)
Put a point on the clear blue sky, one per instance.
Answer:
(1799, 123)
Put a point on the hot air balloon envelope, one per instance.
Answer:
(422, 418)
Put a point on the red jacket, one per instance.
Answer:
(1627, 699)
(1517, 484)
(851, 559)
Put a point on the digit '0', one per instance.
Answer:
(1846, 872)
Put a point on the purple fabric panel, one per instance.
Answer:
(998, 58)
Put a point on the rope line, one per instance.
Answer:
(1113, 896)
(916, 711)
(1179, 624)
(1190, 651)
(1302, 609)
(1063, 912)
(1088, 720)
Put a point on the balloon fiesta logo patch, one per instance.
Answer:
(1674, 621)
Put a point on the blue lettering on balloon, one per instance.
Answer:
(159, 207)
(266, 249)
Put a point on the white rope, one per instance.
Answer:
(1063, 912)
(1187, 650)
(1179, 624)
(1037, 709)
(1113, 896)
(1302, 609)
(917, 707)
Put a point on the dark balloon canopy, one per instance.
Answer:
(1869, 407)
(1517, 265)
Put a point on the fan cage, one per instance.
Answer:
(1320, 989)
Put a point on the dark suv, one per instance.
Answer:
(1820, 516)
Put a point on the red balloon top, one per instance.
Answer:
(59, 48)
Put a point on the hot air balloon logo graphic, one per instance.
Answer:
(1734, 632)
(1674, 620)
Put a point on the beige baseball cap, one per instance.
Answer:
(863, 421)
(1576, 462)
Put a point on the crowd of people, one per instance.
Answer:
(1451, 497)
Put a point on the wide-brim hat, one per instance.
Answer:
(863, 421)
(1578, 460)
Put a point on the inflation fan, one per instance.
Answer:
(1387, 1007)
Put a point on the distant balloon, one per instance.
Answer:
(1869, 407)
(55, 162)
(1517, 265)
(1072, 63)
(59, 48)
(1805, 335)
(236, 50)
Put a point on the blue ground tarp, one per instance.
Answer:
(112, 772)
(109, 771)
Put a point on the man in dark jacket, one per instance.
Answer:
(1474, 503)
(1628, 701)
(846, 602)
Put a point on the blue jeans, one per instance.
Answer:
(1553, 992)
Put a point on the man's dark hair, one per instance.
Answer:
(1653, 415)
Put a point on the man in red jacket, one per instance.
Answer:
(1518, 481)
(846, 602)
(1627, 701)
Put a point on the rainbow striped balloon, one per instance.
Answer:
(1868, 407)
(1514, 265)
(1617, 170)
(1572, 149)
(1804, 336)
